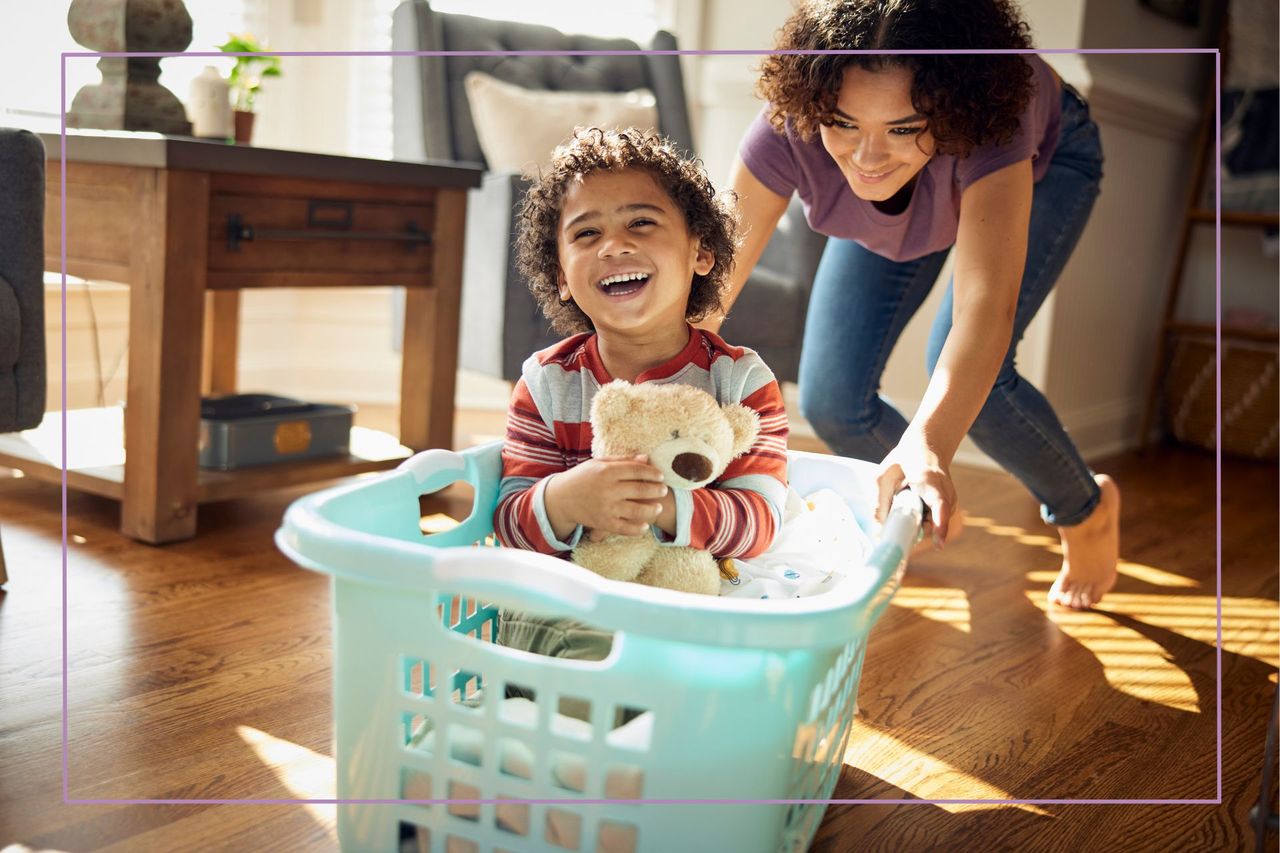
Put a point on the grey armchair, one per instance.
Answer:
(22, 361)
(501, 323)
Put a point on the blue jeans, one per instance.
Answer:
(861, 302)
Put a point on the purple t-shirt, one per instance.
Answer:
(785, 163)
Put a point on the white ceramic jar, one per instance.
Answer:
(209, 105)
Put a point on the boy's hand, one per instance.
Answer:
(616, 494)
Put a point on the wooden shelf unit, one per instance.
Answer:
(97, 465)
(1194, 214)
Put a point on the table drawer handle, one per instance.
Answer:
(239, 231)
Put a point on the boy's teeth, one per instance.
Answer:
(631, 276)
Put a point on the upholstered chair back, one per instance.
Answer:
(431, 113)
(22, 356)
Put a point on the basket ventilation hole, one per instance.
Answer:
(415, 785)
(466, 744)
(624, 782)
(564, 828)
(419, 678)
(414, 837)
(632, 729)
(515, 759)
(569, 772)
(415, 732)
(468, 688)
(463, 791)
(512, 817)
(577, 709)
(457, 844)
(617, 837)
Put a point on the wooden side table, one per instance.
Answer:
(187, 224)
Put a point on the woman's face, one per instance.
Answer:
(877, 138)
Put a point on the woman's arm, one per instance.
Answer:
(759, 209)
(991, 251)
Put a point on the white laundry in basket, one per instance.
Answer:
(818, 544)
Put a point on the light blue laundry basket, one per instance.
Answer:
(739, 699)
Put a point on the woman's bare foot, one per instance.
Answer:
(1090, 550)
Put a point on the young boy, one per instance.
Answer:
(624, 243)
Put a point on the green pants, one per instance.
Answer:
(554, 637)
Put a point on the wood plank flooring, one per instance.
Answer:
(202, 670)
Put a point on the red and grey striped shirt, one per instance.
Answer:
(549, 431)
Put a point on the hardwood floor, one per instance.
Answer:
(201, 670)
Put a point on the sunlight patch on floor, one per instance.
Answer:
(920, 773)
(1154, 576)
(941, 604)
(1139, 572)
(306, 774)
(1250, 626)
(1139, 666)
(1132, 664)
(1020, 535)
(436, 523)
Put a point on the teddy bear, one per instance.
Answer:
(691, 439)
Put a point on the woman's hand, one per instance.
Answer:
(616, 494)
(912, 464)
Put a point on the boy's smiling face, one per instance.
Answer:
(627, 257)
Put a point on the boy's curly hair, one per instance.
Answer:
(707, 215)
(969, 100)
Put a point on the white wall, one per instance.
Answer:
(1126, 24)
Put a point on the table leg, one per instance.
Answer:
(4, 574)
(221, 342)
(428, 372)
(166, 317)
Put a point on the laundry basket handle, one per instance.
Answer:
(904, 523)
(523, 580)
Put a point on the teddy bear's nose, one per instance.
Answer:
(694, 467)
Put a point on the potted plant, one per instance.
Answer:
(246, 79)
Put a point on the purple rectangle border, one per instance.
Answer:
(1217, 250)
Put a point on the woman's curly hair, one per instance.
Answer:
(707, 215)
(969, 100)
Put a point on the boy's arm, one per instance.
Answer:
(739, 515)
(530, 454)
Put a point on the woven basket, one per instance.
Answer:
(1250, 396)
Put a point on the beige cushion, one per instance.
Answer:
(518, 128)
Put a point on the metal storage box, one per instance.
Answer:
(242, 430)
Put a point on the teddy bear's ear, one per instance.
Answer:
(745, 424)
(611, 404)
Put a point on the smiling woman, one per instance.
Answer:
(899, 158)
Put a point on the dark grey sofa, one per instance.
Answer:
(22, 361)
(501, 323)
